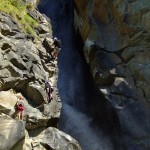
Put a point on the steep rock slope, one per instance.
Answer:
(25, 62)
(116, 36)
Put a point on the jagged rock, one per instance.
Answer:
(50, 138)
(104, 66)
(28, 144)
(36, 92)
(47, 43)
(43, 29)
(33, 2)
(121, 87)
(33, 116)
(11, 131)
(8, 27)
(7, 102)
(55, 139)
(115, 32)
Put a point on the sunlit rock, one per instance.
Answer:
(11, 131)
(55, 139)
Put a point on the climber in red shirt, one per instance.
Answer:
(20, 108)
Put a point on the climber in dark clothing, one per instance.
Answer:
(49, 89)
(57, 46)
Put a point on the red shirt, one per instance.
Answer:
(20, 108)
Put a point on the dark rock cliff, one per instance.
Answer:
(116, 36)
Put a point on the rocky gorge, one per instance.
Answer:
(102, 76)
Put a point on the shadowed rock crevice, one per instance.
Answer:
(17, 64)
(5, 46)
(7, 33)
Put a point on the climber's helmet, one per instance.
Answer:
(55, 38)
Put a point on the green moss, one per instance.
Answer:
(30, 20)
(18, 10)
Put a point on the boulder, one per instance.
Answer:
(28, 144)
(55, 139)
(48, 44)
(7, 102)
(35, 117)
(11, 131)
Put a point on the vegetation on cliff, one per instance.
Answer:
(19, 11)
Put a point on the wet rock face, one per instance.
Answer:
(116, 36)
(55, 139)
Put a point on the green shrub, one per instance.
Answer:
(18, 10)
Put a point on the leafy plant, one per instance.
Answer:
(19, 11)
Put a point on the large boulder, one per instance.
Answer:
(55, 139)
(28, 144)
(32, 115)
(7, 102)
(11, 131)
(44, 139)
